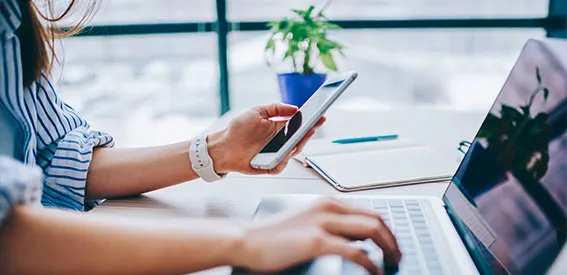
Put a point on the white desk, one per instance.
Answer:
(237, 196)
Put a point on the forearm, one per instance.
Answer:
(40, 241)
(116, 172)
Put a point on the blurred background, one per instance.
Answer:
(153, 71)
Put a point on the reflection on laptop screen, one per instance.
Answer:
(511, 189)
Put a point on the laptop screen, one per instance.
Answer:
(510, 192)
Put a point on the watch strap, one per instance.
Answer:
(201, 161)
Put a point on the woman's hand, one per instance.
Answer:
(233, 148)
(326, 228)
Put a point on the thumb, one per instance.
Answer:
(279, 123)
(276, 110)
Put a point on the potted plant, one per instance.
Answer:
(304, 40)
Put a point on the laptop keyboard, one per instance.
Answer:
(406, 220)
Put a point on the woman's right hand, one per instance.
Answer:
(326, 228)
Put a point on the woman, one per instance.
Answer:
(78, 167)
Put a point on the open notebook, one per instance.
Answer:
(320, 147)
(378, 164)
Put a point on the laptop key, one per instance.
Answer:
(348, 201)
(409, 260)
(399, 214)
(396, 203)
(411, 270)
(384, 213)
(413, 207)
(415, 213)
(411, 202)
(403, 222)
(435, 268)
(379, 204)
(364, 203)
(399, 210)
(419, 220)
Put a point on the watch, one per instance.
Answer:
(201, 161)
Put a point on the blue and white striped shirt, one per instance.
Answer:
(56, 138)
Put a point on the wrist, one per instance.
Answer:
(216, 145)
(238, 256)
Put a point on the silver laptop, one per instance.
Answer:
(504, 211)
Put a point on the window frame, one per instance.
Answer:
(555, 25)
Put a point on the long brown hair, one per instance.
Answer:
(39, 31)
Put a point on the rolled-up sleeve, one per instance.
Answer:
(66, 176)
(65, 144)
(19, 185)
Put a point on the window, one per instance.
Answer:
(457, 68)
(125, 84)
(254, 10)
(154, 11)
(171, 81)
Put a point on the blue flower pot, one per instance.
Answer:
(295, 88)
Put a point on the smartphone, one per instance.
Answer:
(300, 123)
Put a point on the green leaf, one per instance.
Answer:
(511, 114)
(541, 118)
(525, 110)
(289, 53)
(299, 12)
(538, 76)
(299, 31)
(271, 45)
(309, 11)
(328, 61)
(283, 25)
(325, 45)
(292, 49)
(545, 93)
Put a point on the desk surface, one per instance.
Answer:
(440, 129)
(237, 196)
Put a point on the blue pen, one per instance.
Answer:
(365, 139)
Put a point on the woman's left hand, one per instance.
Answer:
(233, 148)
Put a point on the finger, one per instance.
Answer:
(303, 142)
(307, 137)
(339, 246)
(336, 206)
(276, 110)
(380, 234)
(320, 122)
(279, 168)
(283, 164)
(363, 227)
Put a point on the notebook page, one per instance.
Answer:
(320, 147)
(385, 166)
